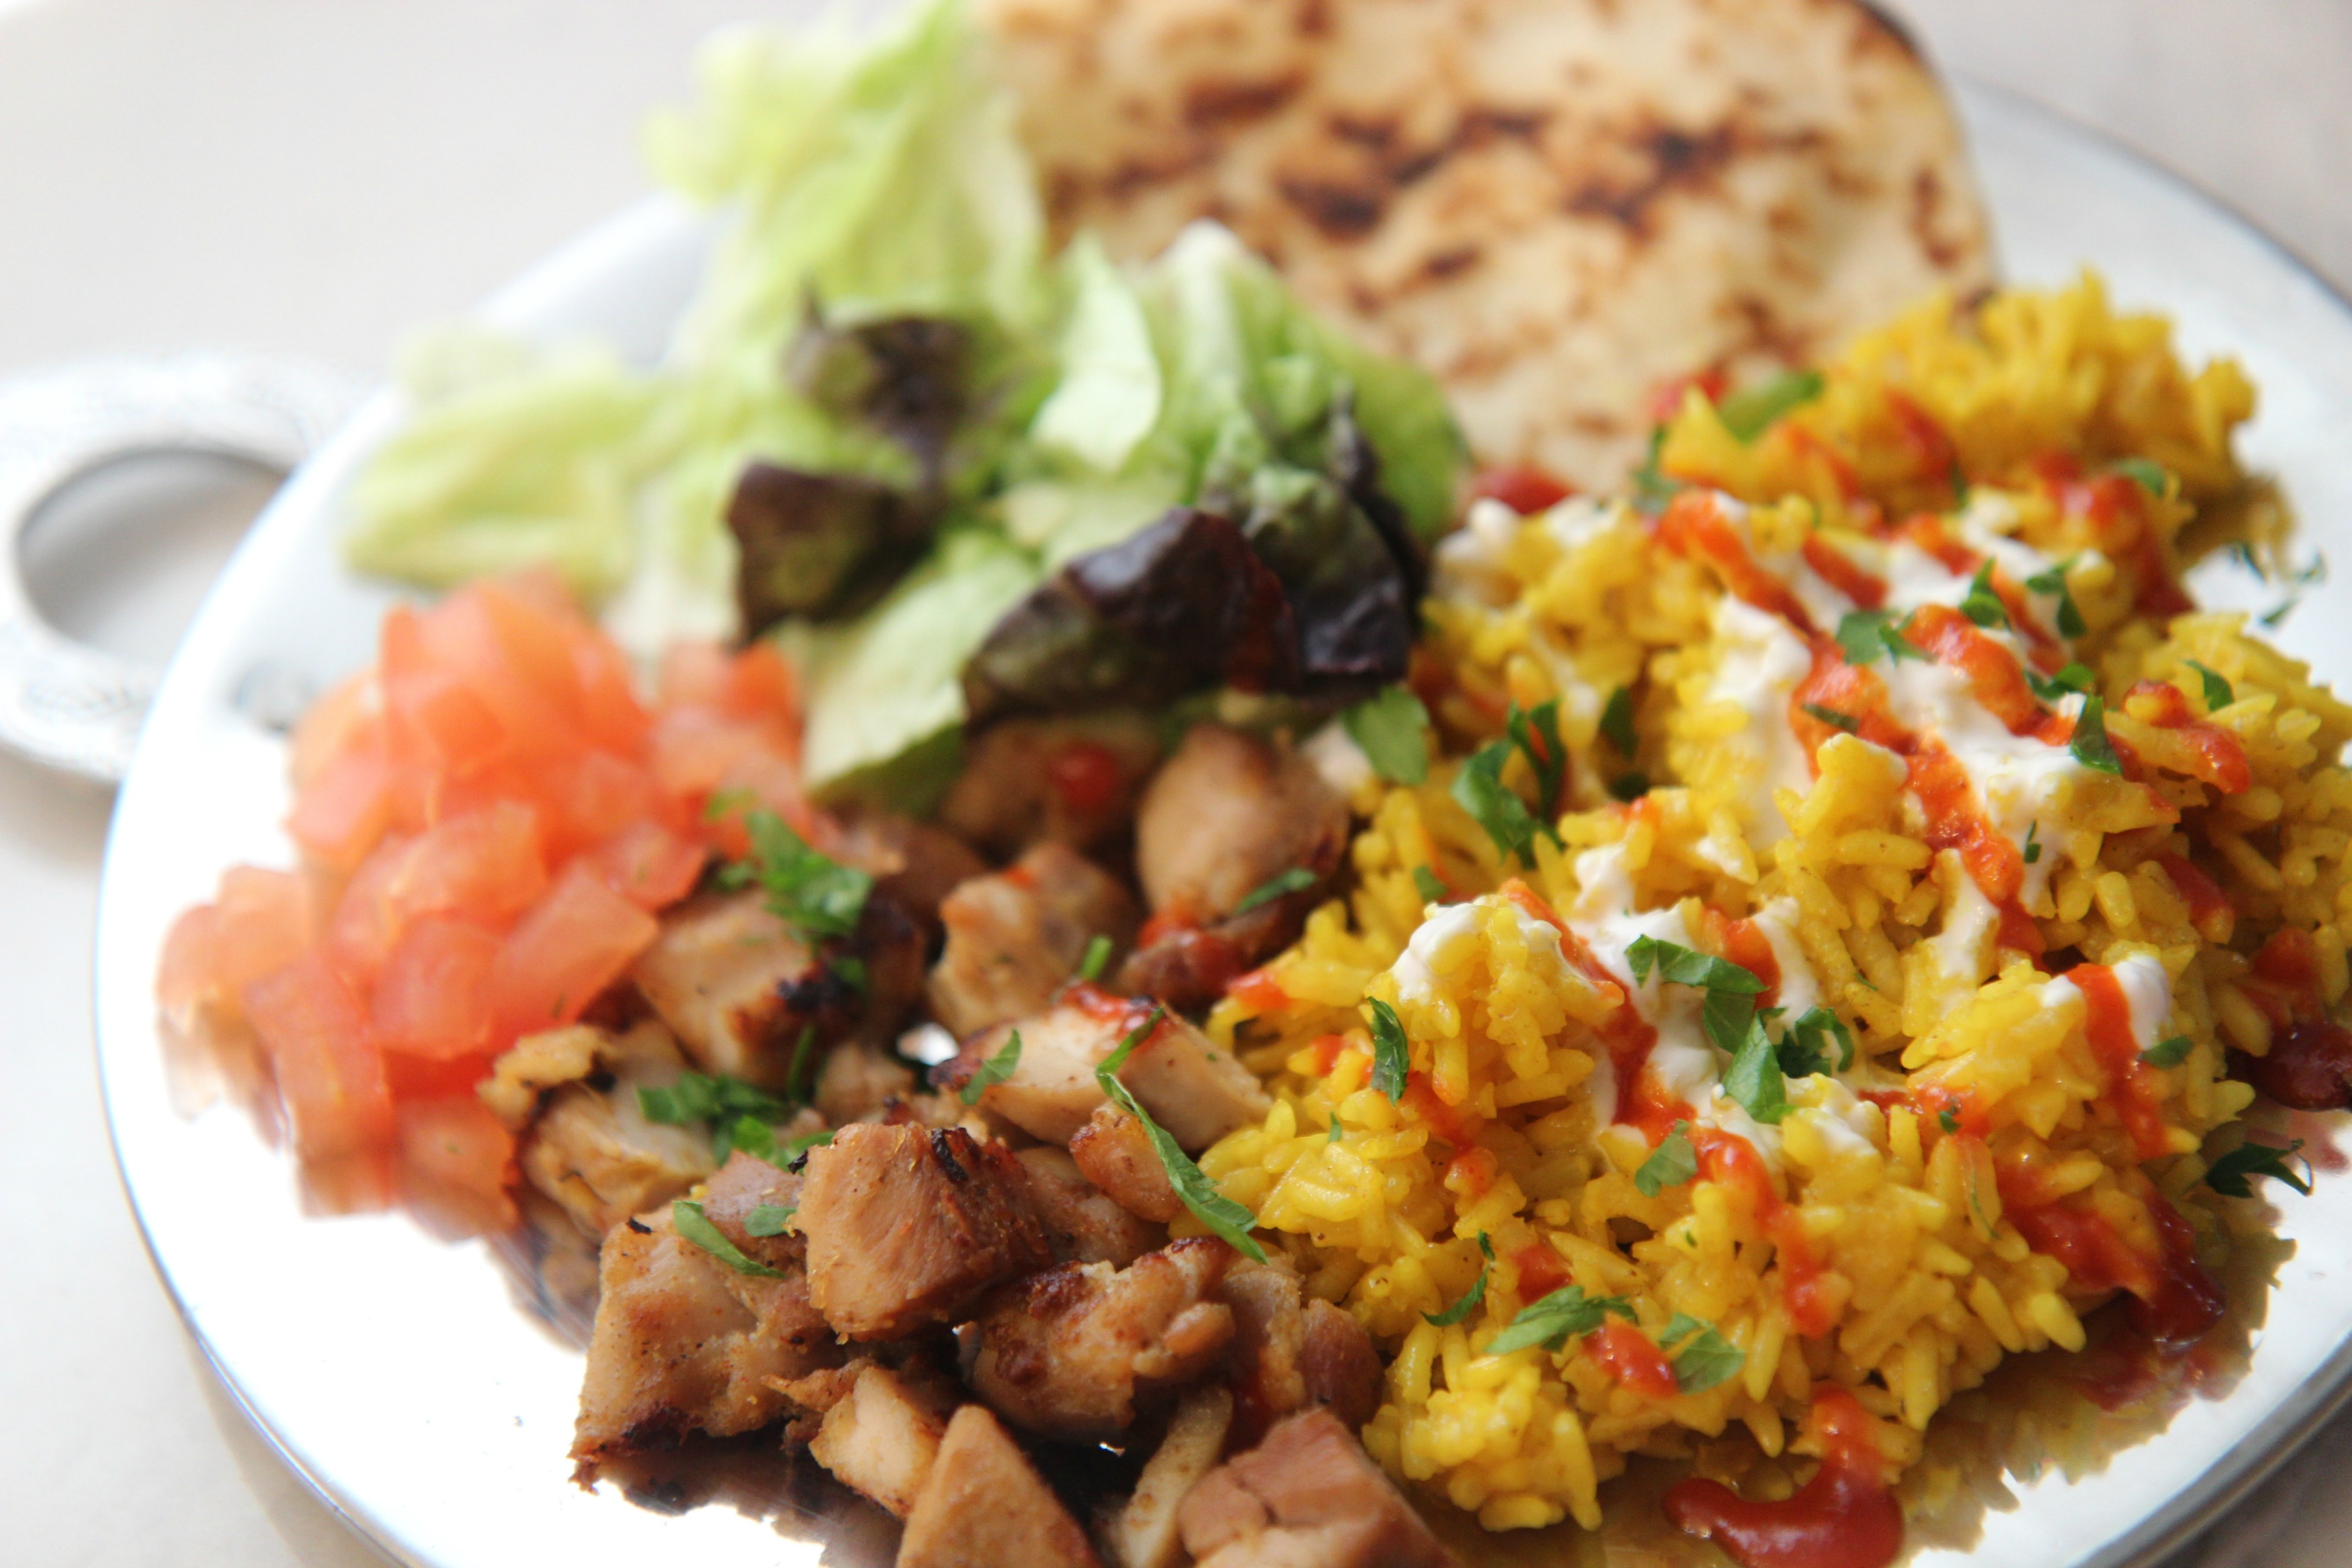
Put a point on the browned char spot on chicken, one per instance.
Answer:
(1068, 1352)
(906, 1225)
(983, 1505)
(1306, 1496)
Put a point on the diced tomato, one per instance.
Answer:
(350, 715)
(455, 1143)
(261, 923)
(577, 940)
(431, 998)
(183, 978)
(344, 809)
(694, 675)
(595, 795)
(648, 865)
(1525, 490)
(433, 1077)
(328, 1072)
(1086, 776)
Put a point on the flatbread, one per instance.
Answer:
(1559, 207)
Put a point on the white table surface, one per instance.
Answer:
(316, 176)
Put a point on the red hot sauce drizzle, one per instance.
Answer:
(1845, 1517)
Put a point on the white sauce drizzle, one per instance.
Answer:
(1760, 664)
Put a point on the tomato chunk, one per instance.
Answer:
(576, 942)
(330, 1075)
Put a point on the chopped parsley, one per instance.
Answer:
(695, 1227)
(1670, 1165)
(1864, 634)
(1706, 1358)
(2074, 677)
(1754, 1080)
(2230, 1174)
(1392, 1057)
(1730, 990)
(2168, 1053)
(1389, 727)
(2219, 692)
(1805, 1049)
(1470, 1298)
(1629, 786)
(1617, 722)
(1425, 882)
(2148, 475)
(1536, 733)
(739, 1115)
(2070, 617)
(2032, 843)
(1557, 1318)
(1983, 606)
(1098, 958)
(1949, 1118)
(1748, 415)
(1479, 790)
(1211, 1207)
(814, 894)
(2090, 745)
(993, 1071)
(1331, 1134)
(770, 1219)
(1297, 879)
(1653, 488)
(1831, 717)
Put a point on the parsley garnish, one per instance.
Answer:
(1754, 1080)
(1707, 1359)
(993, 1071)
(1425, 882)
(1390, 1056)
(738, 1114)
(1730, 990)
(2070, 619)
(1097, 956)
(2219, 693)
(1653, 488)
(1949, 1118)
(2074, 677)
(1331, 1134)
(1670, 1165)
(1983, 606)
(2090, 745)
(695, 1227)
(1746, 414)
(1831, 717)
(1470, 1298)
(2168, 1053)
(1629, 786)
(814, 894)
(1297, 879)
(1536, 735)
(2230, 1174)
(1388, 728)
(803, 1064)
(1557, 1318)
(2148, 475)
(850, 972)
(1805, 1049)
(1863, 634)
(1210, 1207)
(770, 1219)
(2032, 843)
(1479, 789)
(1617, 722)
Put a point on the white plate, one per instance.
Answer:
(395, 1373)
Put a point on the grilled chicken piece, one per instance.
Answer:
(596, 1155)
(738, 987)
(1067, 1352)
(1291, 1351)
(1081, 1221)
(1014, 936)
(1114, 1153)
(880, 1438)
(1191, 1089)
(859, 1082)
(535, 1064)
(1142, 1533)
(684, 1343)
(1062, 781)
(1307, 1497)
(914, 864)
(1227, 814)
(906, 1226)
(747, 1182)
(984, 1506)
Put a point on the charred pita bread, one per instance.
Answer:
(1559, 207)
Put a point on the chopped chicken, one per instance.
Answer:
(881, 1436)
(1191, 1089)
(1291, 1351)
(1067, 1352)
(1226, 816)
(859, 1081)
(1014, 936)
(906, 1227)
(597, 1156)
(1066, 781)
(1142, 1533)
(1307, 1497)
(744, 1184)
(535, 1064)
(914, 864)
(684, 1343)
(739, 986)
(1082, 1221)
(1114, 1153)
(984, 1506)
